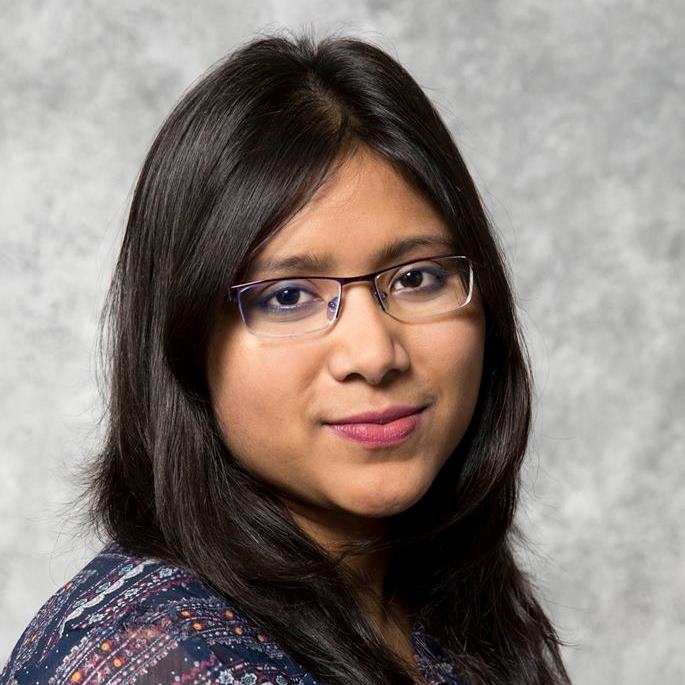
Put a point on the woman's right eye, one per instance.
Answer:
(285, 296)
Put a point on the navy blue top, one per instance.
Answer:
(130, 619)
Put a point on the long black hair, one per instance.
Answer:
(243, 151)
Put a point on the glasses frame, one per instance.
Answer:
(233, 293)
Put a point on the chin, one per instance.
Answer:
(384, 501)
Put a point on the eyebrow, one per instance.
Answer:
(307, 263)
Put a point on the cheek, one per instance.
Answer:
(455, 364)
(463, 361)
(256, 397)
(453, 352)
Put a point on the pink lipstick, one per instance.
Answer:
(380, 430)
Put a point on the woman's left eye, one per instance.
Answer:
(419, 277)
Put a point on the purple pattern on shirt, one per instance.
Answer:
(126, 619)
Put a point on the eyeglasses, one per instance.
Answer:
(412, 291)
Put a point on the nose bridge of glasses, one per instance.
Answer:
(366, 282)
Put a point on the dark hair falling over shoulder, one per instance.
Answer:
(240, 154)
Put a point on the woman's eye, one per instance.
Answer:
(285, 297)
(421, 278)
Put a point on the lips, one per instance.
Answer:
(380, 417)
(391, 427)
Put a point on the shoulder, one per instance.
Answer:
(130, 619)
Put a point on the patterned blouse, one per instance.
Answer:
(128, 619)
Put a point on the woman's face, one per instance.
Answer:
(274, 397)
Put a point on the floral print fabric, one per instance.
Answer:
(125, 619)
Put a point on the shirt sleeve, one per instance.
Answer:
(149, 655)
(193, 661)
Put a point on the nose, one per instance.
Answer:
(365, 340)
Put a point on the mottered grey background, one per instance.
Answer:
(570, 116)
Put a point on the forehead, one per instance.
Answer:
(366, 213)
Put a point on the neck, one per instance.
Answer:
(332, 529)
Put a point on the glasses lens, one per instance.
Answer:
(421, 290)
(427, 288)
(290, 306)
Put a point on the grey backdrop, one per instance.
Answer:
(570, 115)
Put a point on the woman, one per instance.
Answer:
(319, 402)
